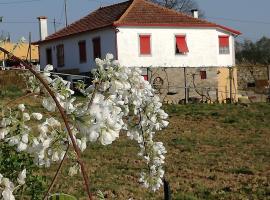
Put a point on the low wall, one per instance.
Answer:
(208, 84)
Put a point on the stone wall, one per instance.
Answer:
(11, 78)
(209, 84)
(252, 78)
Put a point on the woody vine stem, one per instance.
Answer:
(64, 117)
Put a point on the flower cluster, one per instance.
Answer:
(119, 101)
(7, 187)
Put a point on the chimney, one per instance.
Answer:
(43, 27)
(195, 13)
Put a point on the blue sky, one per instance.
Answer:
(250, 17)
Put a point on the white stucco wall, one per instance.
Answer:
(203, 47)
(71, 49)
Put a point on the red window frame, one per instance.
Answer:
(82, 51)
(224, 44)
(181, 44)
(145, 44)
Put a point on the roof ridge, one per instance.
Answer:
(175, 11)
(86, 16)
(126, 12)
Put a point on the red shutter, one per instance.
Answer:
(145, 77)
(145, 46)
(224, 41)
(181, 44)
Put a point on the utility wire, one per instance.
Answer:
(16, 2)
(239, 20)
(26, 22)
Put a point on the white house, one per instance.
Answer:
(138, 33)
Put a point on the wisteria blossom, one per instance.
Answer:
(119, 102)
(7, 187)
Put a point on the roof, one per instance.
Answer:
(133, 13)
(20, 51)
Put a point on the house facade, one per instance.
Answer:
(169, 46)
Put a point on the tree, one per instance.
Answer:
(184, 6)
(253, 52)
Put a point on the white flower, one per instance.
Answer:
(26, 117)
(37, 116)
(25, 138)
(3, 133)
(21, 107)
(21, 177)
(49, 104)
(1, 177)
(21, 147)
(53, 122)
(73, 170)
(7, 194)
(55, 156)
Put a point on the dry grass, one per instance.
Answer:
(214, 152)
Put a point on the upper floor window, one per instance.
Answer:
(96, 48)
(224, 45)
(60, 55)
(82, 51)
(181, 44)
(145, 44)
(49, 56)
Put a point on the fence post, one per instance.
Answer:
(185, 80)
(217, 95)
(167, 190)
(230, 77)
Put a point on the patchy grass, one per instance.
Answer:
(214, 152)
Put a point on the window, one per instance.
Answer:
(49, 56)
(181, 44)
(60, 55)
(96, 48)
(203, 74)
(145, 77)
(224, 47)
(145, 45)
(82, 51)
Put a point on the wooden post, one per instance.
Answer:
(217, 96)
(230, 77)
(185, 80)
(30, 47)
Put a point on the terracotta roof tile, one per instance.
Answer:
(100, 18)
(132, 13)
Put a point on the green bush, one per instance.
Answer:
(12, 163)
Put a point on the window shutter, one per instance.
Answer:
(145, 46)
(82, 51)
(49, 56)
(181, 44)
(224, 41)
(203, 75)
(60, 55)
(145, 77)
(96, 48)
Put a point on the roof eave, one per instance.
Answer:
(235, 32)
(68, 36)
